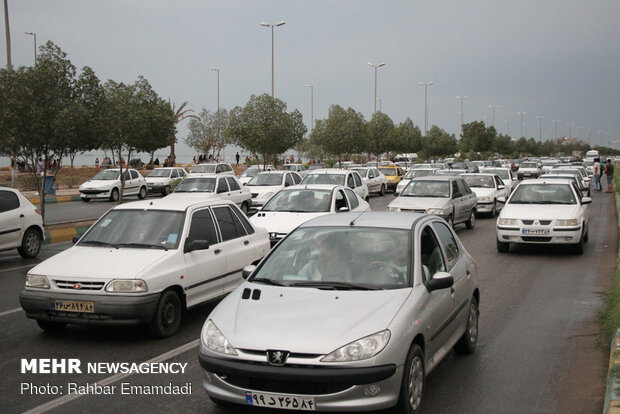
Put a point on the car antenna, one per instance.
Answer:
(358, 216)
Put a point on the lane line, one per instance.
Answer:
(10, 311)
(110, 380)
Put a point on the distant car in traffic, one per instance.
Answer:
(214, 187)
(212, 168)
(265, 184)
(160, 180)
(489, 189)
(337, 176)
(393, 175)
(374, 179)
(106, 184)
(411, 174)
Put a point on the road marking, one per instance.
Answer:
(17, 268)
(112, 379)
(10, 311)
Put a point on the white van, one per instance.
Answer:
(592, 154)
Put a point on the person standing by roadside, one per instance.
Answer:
(97, 163)
(237, 156)
(597, 174)
(609, 173)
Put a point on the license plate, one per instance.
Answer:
(535, 232)
(73, 306)
(283, 401)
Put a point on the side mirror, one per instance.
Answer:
(440, 280)
(192, 245)
(501, 199)
(244, 184)
(501, 187)
(75, 239)
(343, 209)
(247, 271)
(586, 200)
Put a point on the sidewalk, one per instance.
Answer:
(63, 195)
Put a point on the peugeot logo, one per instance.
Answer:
(536, 222)
(273, 235)
(77, 286)
(277, 358)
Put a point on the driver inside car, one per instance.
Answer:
(332, 262)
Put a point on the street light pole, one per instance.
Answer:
(272, 26)
(35, 45)
(376, 67)
(379, 99)
(540, 118)
(426, 85)
(522, 113)
(462, 98)
(218, 106)
(311, 106)
(555, 127)
(7, 31)
(569, 130)
(507, 128)
(493, 109)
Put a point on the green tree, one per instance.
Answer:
(504, 144)
(207, 131)
(406, 138)
(477, 137)
(439, 143)
(264, 127)
(180, 114)
(341, 134)
(379, 129)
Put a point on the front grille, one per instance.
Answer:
(413, 210)
(542, 222)
(285, 387)
(78, 285)
(93, 191)
(536, 239)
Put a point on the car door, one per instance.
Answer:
(470, 200)
(360, 187)
(503, 192)
(371, 181)
(205, 269)
(222, 191)
(458, 201)
(236, 194)
(353, 200)
(11, 220)
(129, 184)
(296, 177)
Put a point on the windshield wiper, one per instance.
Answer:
(267, 281)
(141, 245)
(332, 285)
(98, 243)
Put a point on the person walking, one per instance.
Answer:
(237, 158)
(597, 174)
(97, 163)
(609, 173)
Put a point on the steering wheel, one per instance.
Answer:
(386, 268)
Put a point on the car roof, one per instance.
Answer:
(171, 203)
(272, 172)
(329, 171)
(541, 180)
(377, 219)
(479, 174)
(436, 178)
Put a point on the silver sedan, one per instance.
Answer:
(349, 312)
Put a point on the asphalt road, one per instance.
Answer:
(538, 349)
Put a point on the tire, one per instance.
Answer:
(450, 221)
(471, 223)
(467, 342)
(502, 247)
(86, 200)
(382, 191)
(142, 193)
(167, 190)
(412, 384)
(586, 236)
(245, 208)
(167, 316)
(31, 244)
(50, 326)
(494, 209)
(114, 194)
(578, 248)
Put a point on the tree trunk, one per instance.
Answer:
(172, 158)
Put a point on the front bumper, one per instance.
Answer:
(555, 235)
(333, 388)
(485, 207)
(108, 309)
(156, 188)
(95, 193)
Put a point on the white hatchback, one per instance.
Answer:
(160, 180)
(21, 225)
(214, 187)
(107, 184)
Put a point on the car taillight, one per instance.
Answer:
(36, 210)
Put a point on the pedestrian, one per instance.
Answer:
(609, 173)
(237, 158)
(39, 166)
(156, 162)
(597, 174)
(210, 157)
(97, 163)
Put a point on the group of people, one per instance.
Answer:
(601, 168)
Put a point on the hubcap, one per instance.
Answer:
(416, 382)
(473, 324)
(32, 242)
(169, 314)
(472, 219)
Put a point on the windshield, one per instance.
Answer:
(588, 163)
(300, 201)
(529, 165)
(107, 175)
(388, 171)
(336, 179)
(159, 173)
(250, 172)
(427, 189)
(266, 179)
(543, 194)
(196, 185)
(339, 258)
(149, 229)
(204, 168)
(458, 166)
(483, 181)
(416, 166)
(503, 174)
(418, 173)
(363, 172)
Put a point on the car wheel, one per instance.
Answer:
(502, 247)
(114, 194)
(586, 236)
(245, 208)
(472, 220)
(450, 221)
(167, 190)
(31, 244)
(412, 387)
(86, 200)
(51, 326)
(142, 193)
(467, 342)
(578, 248)
(382, 191)
(167, 316)
(494, 209)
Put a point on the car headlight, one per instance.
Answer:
(127, 286)
(436, 211)
(485, 198)
(507, 222)
(212, 339)
(37, 281)
(364, 348)
(572, 222)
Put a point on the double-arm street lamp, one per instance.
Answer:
(540, 118)
(376, 67)
(462, 98)
(522, 114)
(272, 26)
(426, 85)
(35, 45)
(493, 109)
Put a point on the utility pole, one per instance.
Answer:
(9, 66)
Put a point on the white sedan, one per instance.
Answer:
(107, 184)
(374, 179)
(265, 184)
(544, 212)
(295, 205)
(488, 188)
(508, 176)
(21, 225)
(214, 187)
(336, 176)
(413, 173)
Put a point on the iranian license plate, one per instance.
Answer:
(283, 401)
(535, 232)
(73, 306)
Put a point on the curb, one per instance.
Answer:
(612, 393)
(61, 234)
(55, 199)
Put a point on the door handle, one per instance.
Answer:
(217, 251)
(246, 242)
(21, 216)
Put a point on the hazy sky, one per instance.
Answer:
(554, 58)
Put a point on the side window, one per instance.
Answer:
(498, 181)
(228, 168)
(134, 174)
(288, 180)
(8, 201)
(352, 198)
(371, 174)
(174, 174)
(230, 226)
(341, 200)
(576, 190)
(218, 169)
(248, 227)
(296, 178)
(431, 256)
(202, 227)
(358, 180)
(182, 173)
(232, 183)
(455, 190)
(222, 187)
(350, 182)
(463, 187)
(448, 242)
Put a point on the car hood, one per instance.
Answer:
(99, 183)
(537, 211)
(263, 189)
(157, 179)
(419, 202)
(194, 195)
(483, 192)
(280, 221)
(304, 320)
(88, 262)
